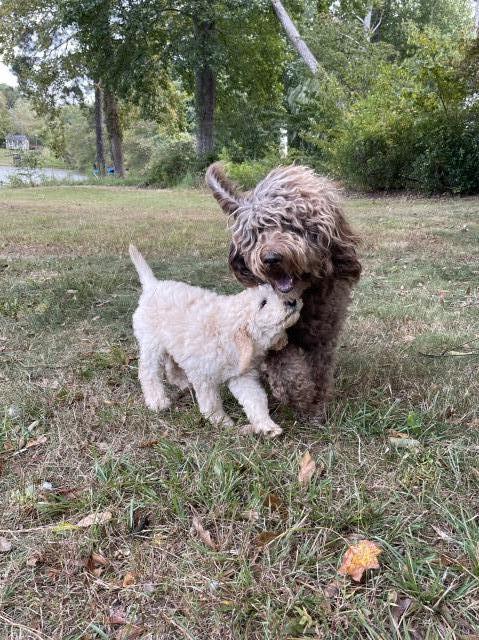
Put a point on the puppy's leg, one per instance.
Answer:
(149, 376)
(210, 404)
(175, 374)
(252, 397)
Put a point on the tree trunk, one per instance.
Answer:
(205, 90)
(293, 34)
(100, 147)
(113, 127)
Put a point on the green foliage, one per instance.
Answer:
(171, 162)
(418, 128)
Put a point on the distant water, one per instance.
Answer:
(39, 175)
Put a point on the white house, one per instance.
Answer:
(17, 142)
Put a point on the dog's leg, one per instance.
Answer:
(252, 397)
(175, 374)
(302, 374)
(149, 376)
(209, 402)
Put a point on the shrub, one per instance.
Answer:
(418, 128)
(171, 162)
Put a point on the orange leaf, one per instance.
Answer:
(358, 558)
(129, 579)
(306, 469)
(264, 538)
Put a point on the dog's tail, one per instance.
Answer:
(145, 273)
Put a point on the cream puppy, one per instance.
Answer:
(204, 339)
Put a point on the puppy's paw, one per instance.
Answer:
(157, 403)
(227, 422)
(269, 430)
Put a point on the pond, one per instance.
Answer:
(37, 176)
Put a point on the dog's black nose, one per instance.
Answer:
(291, 303)
(272, 258)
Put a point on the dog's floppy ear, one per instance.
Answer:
(344, 253)
(224, 190)
(244, 344)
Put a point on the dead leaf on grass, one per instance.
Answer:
(399, 609)
(5, 545)
(129, 579)
(251, 514)
(331, 590)
(36, 557)
(203, 534)
(276, 505)
(95, 518)
(264, 538)
(405, 443)
(96, 564)
(117, 616)
(130, 632)
(145, 444)
(307, 468)
(359, 558)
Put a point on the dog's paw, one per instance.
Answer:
(270, 430)
(227, 422)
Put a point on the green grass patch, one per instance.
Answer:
(76, 438)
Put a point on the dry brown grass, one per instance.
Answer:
(68, 372)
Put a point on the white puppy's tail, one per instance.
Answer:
(144, 271)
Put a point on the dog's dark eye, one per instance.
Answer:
(262, 303)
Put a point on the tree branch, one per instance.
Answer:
(293, 35)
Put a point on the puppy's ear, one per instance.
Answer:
(245, 347)
(224, 190)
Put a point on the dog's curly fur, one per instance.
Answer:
(290, 231)
(203, 339)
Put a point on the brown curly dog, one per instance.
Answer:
(290, 231)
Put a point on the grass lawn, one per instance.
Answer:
(76, 439)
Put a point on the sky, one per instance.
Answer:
(6, 77)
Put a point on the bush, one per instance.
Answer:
(417, 129)
(171, 162)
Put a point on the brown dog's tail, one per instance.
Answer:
(144, 271)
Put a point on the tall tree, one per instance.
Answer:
(100, 147)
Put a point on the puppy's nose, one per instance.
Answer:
(291, 303)
(272, 258)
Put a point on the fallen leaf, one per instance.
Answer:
(129, 580)
(358, 558)
(96, 564)
(276, 505)
(145, 444)
(34, 558)
(331, 590)
(399, 609)
(204, 535)
(251, 514)
(142, 520)
(5, 545)
(265, 538)
(117, 616)
(306, 469)
(405, 443)
(130, 632)
(95, 518)
(443, 534)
